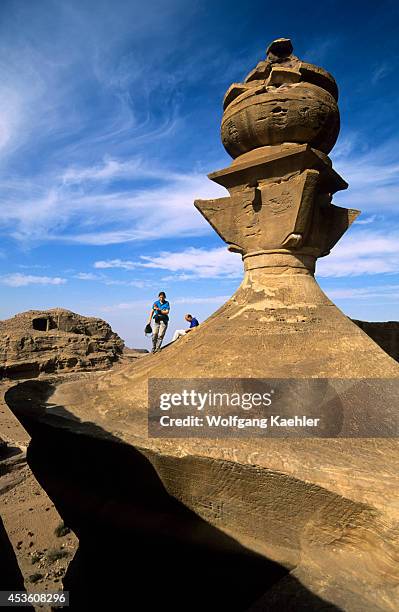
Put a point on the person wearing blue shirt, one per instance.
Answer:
(159, 317)
(182, 332)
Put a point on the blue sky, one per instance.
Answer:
(109, 123)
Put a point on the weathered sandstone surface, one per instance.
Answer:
(56, 340)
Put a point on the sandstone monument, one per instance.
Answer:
(240, 523)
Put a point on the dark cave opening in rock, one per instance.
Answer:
(41, 324)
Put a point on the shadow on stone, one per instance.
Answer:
(10, 574)
(139, 547)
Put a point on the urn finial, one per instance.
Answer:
(279, 126)
(282, 100)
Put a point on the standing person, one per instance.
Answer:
(182, 332)
(160, 319)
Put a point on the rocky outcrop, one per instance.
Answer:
(290, 524)
(56, 340)
(384, 333)
(133, 530)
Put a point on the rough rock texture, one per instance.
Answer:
(36, 342)
(282, 100)
(385, 334)
(324, 513)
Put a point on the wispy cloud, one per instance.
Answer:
(381, 71)
(189, 264)
(178, 277)
(139, 284)
(22, 280)
(321, 48)
(105, 280)
(216, 300)
(106, 213)
(82, 92)
(115, 263)
(87, 276)
(367, 220)
(372, 174)
(362, 252)
(33, 266)
(66, 52)
(89, 205)
(134, 305)
(109, 169)
(389, 292)
(198, 263)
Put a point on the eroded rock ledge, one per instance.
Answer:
(179, 525)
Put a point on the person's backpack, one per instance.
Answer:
(161, 317)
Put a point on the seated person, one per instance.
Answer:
(182, 332)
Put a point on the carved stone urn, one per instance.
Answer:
(279, 126)
(283, 100)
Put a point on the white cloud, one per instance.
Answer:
(372, 174)
(22, 280)
(214, 299)
(362, 252)
(381, 71)
(198, 263)
(139, 284)
(55, 54)
(189, 264)
(108, 170)
(136, 305)
(115, 263)
(33, 266)
(177, 277)
(139, 305)
(84, 205)
(386, 291)
(62, 158)
(366, 220)
(96, 216)
(87, 276)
